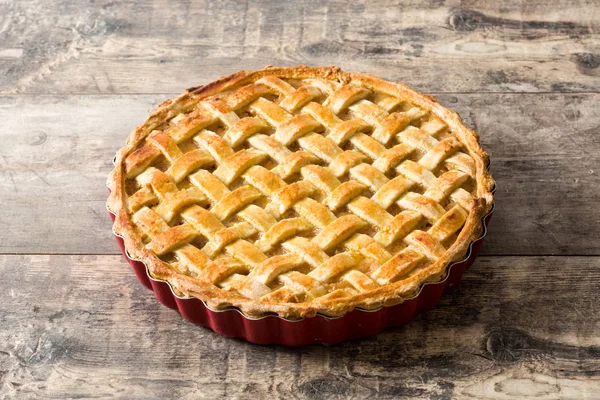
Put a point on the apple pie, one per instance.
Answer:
(297, 191)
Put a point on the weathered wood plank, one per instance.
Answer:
(56, 151)
(164, 46)
(82, 326)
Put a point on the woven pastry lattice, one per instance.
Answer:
(288, 190)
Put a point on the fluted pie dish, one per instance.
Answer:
(292, 192)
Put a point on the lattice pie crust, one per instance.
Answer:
(299, 191)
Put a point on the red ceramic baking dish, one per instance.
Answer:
(272, 329)
(276, 137)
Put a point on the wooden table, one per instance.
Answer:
(76, 77)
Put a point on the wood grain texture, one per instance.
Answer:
(162, 46)
(516, 327)
(56, 152)
(76, 77)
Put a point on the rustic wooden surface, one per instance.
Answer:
(76, 77)
(513, 327)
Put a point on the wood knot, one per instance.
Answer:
(466, 20)
(587, 61)
(37, 138)
(325, 388)
(498, 77)
(509, 345)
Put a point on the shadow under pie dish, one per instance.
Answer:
(300, 205)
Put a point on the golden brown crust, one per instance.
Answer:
(218, 298)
